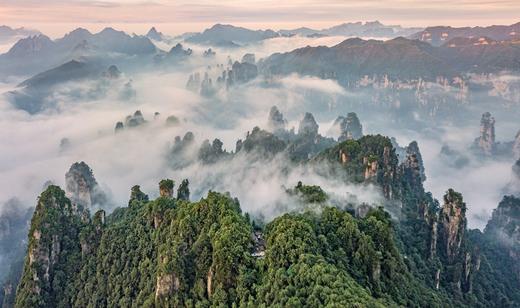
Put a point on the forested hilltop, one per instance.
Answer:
(411, 251)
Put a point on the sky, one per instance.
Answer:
(56, 17)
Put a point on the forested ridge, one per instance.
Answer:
(413, 251)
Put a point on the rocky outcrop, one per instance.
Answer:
(119, 127)
(155, 35)
(135, 120)
(206, 86)
(212, 153)
(370, 164)
(486, 142)
(505, 222)
(82, 188)
(166, 285)
(261, 142)
(350, 127)
(452, 225)
(136, 195)
(178, 52)
(516, 146)
(414, 160)
(166, 188)
(183, 151)
(183, 192)
(276, 121)
(241, 73)
(308, 126)
(167, 281)
(209, 53)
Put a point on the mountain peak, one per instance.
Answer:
(154, 34)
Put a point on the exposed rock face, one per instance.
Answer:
(183, 192)
(308, 126)
(241, 73)
(452, 224)
(166, 284)
(82, 188)
(206, 86)
(249, 58)
(486, 141)
(350, 127)
(276, 121)
(55, 223)
(193, 83)
(516, 146)
(137, 195)
(505, 222)
(262, 143)
(209, 283)
(414, 160)
(166, 188)
(370, 168)
(183, 151)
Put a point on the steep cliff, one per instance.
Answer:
(350, 127)
(82, 188)
(486, 141)
(53, 243)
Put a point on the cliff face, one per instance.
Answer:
(452, 224)
(276, 121)
(82, 188)
(308, 125)
(350, 127)
(53, 240)
(486, 142)
(505, 222)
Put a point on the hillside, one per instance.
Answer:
(171, 251)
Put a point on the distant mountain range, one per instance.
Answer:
(367, 29)
(440, 35)
(38, 52)
(7, 33)
(221, 35)
(230, 36)
(399, 58)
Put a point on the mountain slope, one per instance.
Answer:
(398, 58)
(173, 252)
(441, 34)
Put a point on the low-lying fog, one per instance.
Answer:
(31, 154)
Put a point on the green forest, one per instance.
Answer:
(413, 251)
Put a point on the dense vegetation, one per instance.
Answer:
(171, 252)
